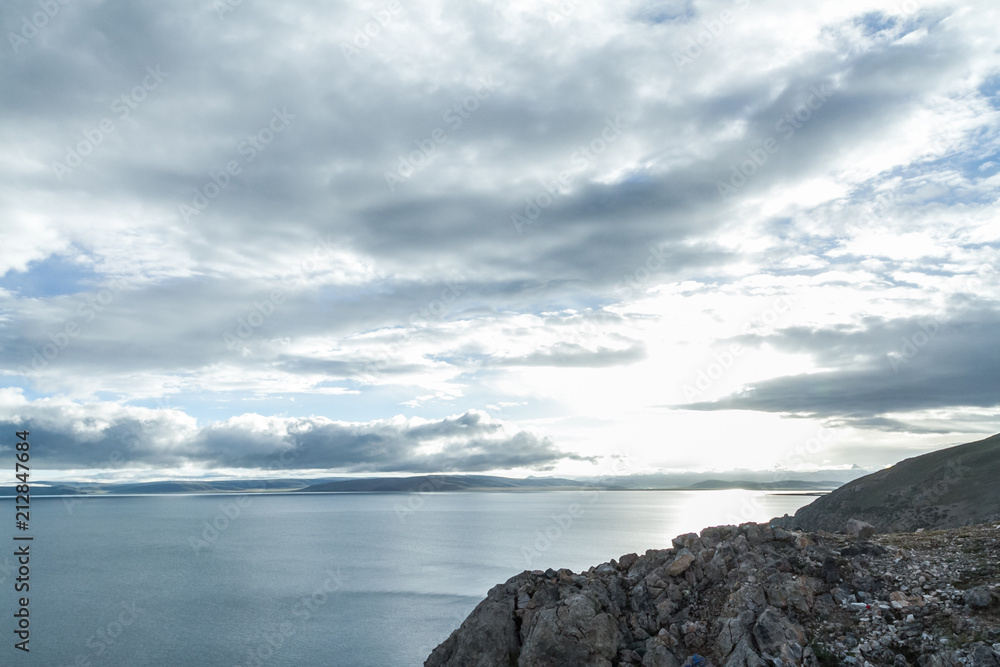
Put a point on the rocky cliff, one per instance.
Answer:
(951, 487)
(751, 596)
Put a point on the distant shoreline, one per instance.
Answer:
(297, 492)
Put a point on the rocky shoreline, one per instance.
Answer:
(750, 596)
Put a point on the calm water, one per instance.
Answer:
(304, 580)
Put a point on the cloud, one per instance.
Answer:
(196, 206)
(109, 436)
(576, 356)
(881, 367)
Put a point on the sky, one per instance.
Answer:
(241, 238)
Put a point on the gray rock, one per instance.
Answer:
(744, 656)
(685, 541)
(859, 529)
(733, 630)
(773, 632)
(978, 598)
(659, 656)
(681, 563)
(983, 656)
(576, 632)
(488, 637)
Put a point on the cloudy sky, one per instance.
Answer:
(520, 237)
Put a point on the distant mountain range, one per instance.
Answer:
(426, 483)
(947, 488)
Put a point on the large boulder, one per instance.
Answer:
(576, 632)
(859, 529)
(488, 637)
(778, 637)
(681, 563)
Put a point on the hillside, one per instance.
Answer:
(951, 487)
(786, 485)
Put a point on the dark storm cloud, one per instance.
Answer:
(880, 367)
(115, 438)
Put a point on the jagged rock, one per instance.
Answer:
(659, 656)
(685, 541)
(681, 563)
(488, 637)
(983, 656)
(576, 632)
(744, 656)
(859, 529)
(838, 601)
(978, 598)
(778, 637)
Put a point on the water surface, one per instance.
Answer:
(313, 579)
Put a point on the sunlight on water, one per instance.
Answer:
(290, 580)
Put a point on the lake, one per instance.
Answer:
(312, 579)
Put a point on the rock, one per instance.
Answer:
(983, 656)
(732, 631)
(774, 632)
(627, 561)
(861, 530)
(685, 541)
(576, 632)
(681, 563)
(487, 637)
(978, 598)
(802, 542)
(744, 656)
(659, 656)
(711, 536)
(751, 597)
